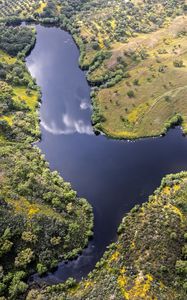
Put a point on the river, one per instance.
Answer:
(112, 175)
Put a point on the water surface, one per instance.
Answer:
(112, 175)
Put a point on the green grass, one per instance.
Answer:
(5, 58)
(32, 209)
(41, 7)
(20, 93)
(158, 96)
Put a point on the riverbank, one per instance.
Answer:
(148, 261)
(115, 175)
(133, 68)
(42, 220)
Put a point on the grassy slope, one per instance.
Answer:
(126, 33)
(142, 264)
(158, 95)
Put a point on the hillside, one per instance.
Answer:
(135, 55)
(148, 261)
(152, 96)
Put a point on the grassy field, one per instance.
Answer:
(5, 58)
(154, 92)
(31, 99)
(135, 54)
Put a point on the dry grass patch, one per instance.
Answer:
(144, 104)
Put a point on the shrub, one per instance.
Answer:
(130, 94)
(178, 63)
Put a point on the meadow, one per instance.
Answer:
(152, 97)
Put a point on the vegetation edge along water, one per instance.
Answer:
(148, 261)
(42, 220)
(132, 65)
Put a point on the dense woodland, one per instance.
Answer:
(42, 221)
(134, 53)
(149, 259)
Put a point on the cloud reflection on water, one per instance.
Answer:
(69, 125)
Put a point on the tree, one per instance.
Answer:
(130, 94)
(178, 63)
(24, 257)
(181, 266)
(17, 286)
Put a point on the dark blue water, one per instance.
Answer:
(112, 175)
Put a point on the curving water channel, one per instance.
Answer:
(113, 175)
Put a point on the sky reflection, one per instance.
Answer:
(67, 91)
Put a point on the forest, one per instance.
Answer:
(42, 220)
(149, 259)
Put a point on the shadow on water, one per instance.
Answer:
(113, 175)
